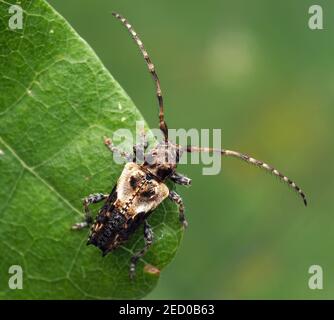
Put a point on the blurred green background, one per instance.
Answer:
(255, 70)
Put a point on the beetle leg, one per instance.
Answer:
(140, 148)
(148, 237)
(178, 200)
(113, 149)
(180, 179)
(92, 198)
(143, 139)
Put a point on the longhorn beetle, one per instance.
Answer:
(141, 187)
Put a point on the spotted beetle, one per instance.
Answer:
(141, 187)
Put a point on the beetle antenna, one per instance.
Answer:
(255, 162)
(151, 68)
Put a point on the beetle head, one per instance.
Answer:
(163, 159)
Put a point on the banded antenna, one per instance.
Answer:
(255, 162)
(151, 68)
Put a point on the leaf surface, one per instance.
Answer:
(57, 102)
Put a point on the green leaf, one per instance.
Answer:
(57, 102)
